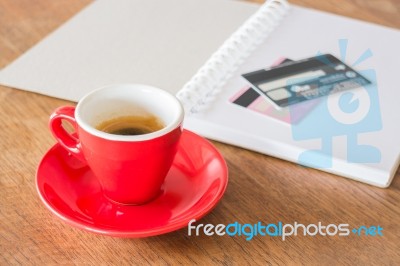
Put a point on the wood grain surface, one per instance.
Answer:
(261, 188)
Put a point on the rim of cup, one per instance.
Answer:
(169, 100)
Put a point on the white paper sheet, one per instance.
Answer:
(159, 43)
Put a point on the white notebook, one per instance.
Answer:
(198, 50)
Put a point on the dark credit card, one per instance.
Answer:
(306, 79)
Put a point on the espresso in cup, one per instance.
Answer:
(131, 125)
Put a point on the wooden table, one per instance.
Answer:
(261, 188)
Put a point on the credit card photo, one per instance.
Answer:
(307, 79)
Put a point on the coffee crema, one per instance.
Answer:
(131, 125)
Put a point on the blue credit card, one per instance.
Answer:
(295, 82)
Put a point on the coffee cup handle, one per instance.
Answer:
(67, 140)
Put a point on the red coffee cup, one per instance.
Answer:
(131, 169)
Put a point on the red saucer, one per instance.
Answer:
(194, 185)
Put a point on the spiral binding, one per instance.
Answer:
(203, 87)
